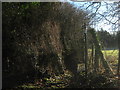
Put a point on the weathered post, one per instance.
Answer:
(118, 71)
(92, 57)
(98, 49)
(118, 34)
(86, 51)
(96, 61)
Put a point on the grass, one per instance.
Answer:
(112, 58)
(63, 81)
(110, 52)
(60, 81)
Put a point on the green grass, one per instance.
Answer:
(60, 81)
(112, 58)
(25, 86)
(110, 52)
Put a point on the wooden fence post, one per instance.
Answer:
(92, 57)
(86, 55)
(97, 47)
(118, 71)
(96, 61)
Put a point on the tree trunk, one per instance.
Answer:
(118, 71)
(98, 49)
(92, 58)
(96, 61)
(86, 55)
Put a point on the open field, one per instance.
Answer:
(110, 52)
(110, 55)
(112, 58)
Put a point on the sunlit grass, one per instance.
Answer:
(110, 52)
(112, 58)
(60, 81)
(30, 86)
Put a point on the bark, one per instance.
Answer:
(86, 55)
(98, 49)
(92, 57)
(96, 61)
(118, 72)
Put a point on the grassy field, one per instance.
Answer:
(110, 52)
(112, 58)
(110, 55)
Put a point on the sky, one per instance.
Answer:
(90, 0)
(102, 10)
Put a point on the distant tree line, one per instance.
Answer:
(108, 40)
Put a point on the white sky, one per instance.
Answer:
(104, 23)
